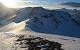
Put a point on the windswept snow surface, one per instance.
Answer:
(14, 27)
(68, 43)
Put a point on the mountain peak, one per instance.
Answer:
(49, 21)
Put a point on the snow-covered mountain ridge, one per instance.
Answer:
(49, 21)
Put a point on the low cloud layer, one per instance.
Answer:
(46, 4)
(72, 4)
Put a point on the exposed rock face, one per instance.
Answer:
(37, 43)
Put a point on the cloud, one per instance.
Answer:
(46, 4)
(72, 4)
(59, 6)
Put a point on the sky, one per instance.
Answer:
(34, 3)
(52, 1)
(63, 1)
(51, 4)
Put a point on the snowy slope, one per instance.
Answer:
(49, 21)
(14, 27)
(68, 43)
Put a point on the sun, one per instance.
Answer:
(9, 3)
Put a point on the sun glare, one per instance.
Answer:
(9, 3)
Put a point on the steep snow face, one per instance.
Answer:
(26, 13)
(49, 21)
(74, 13)
(68, 25)
(23, 14)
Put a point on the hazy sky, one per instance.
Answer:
(64, 0)
(54, 1)
(40, 3)
(52, 4)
